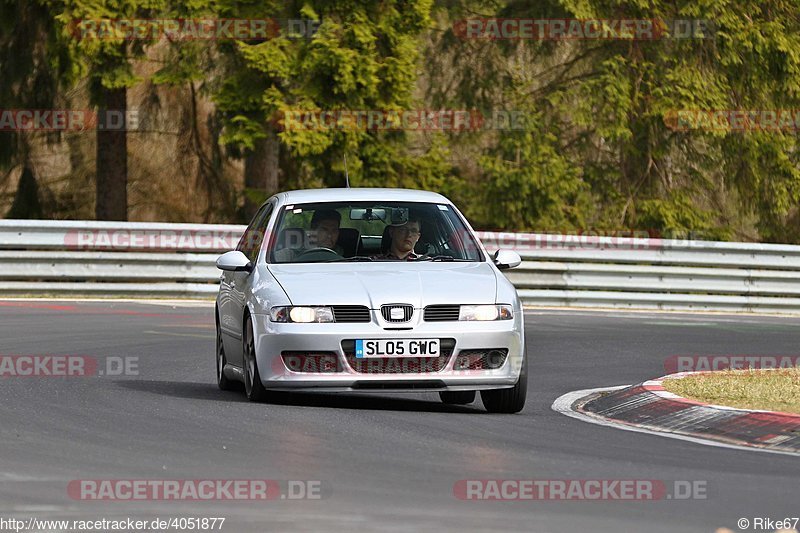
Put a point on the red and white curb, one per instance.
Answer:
(649, 408)
(656, 386)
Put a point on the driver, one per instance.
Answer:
(403, 239)
(324, 233)
(325, 229)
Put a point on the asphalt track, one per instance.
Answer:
(387, 462)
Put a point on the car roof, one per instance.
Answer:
(357, 194)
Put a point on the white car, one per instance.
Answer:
(350, 290)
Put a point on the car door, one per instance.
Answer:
(233, 286)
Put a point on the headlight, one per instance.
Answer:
(301, 315)
(485, 312)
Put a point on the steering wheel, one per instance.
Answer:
(318, 254)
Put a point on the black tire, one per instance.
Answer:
(253, 388)
(510, 400)
(460, 397)
(222, 380)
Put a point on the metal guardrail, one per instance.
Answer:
(177, 260)
(144, 259)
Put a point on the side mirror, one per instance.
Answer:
(234, 261)
(506, 259)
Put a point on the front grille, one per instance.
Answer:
(399, 365)
(386, 312)
(485, 359)
(441, 313)
(396, 385)
(351, 313)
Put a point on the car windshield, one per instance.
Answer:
(371, 232)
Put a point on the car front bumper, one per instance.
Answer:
(272, 339)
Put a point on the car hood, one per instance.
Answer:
(378, 283)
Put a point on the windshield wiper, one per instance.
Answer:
(351, 259)
(440, 258)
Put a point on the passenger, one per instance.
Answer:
(403, 238)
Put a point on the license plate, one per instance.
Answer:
(397, 348)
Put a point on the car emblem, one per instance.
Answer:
(397, 312)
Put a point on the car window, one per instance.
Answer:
(358, 230)
(253, 236)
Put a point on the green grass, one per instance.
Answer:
(772, 390)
